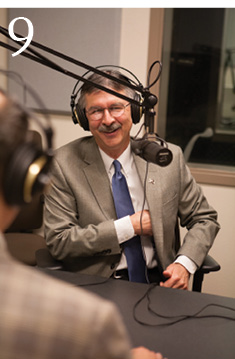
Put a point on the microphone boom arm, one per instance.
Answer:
(148, 147)
(149, 101)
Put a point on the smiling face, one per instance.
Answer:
(112, 134)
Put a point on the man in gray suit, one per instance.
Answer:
(43, 318)
(81, 224)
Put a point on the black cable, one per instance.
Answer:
(149, 74)
(138, 88)
(149, 100)
(145, 186)
(176, 318)
(46, 62)
(47, 129)
(151, 286)
(19, 80)
(94, 283)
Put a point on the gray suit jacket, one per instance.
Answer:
(79, 210)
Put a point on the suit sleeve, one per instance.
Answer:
(196, 215)
(73, 225)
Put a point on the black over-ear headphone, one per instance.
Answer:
(79, 114)
(27, 172)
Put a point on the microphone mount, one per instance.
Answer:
(148, 147)
(149, 99)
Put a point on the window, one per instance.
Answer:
(197, 89)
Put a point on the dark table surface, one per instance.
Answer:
(179, 324)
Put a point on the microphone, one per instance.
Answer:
(151, 151)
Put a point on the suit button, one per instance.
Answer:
(112, 266)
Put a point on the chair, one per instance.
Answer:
(209, 265)
(45, 260)
(22, 242)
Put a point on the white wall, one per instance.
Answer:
(133, 56)
(134, 41)
(223, 250)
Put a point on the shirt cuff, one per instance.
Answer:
(124, 229)
(187, 263)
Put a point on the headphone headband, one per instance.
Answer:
(78, 113)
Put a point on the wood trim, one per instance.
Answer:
(155, 47)
(213, 176)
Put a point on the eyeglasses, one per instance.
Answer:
(96, 113)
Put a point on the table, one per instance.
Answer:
(210, 337)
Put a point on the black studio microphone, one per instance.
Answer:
(151, 147)
(150, 150)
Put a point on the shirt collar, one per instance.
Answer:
(126, 160)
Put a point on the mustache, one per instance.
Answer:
(113, 127)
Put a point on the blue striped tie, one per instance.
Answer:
(132, 248)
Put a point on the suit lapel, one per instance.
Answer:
(154, 199)
(153, 184)
(98, 181)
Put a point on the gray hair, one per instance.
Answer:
(103, 81)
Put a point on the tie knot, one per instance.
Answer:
(117, 166)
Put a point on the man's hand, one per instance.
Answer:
(143, 353)
(177, 277)
(141, 223)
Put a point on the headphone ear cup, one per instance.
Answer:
(136, 111)
(21, 182)
(81, 117)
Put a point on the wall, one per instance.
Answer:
(133, 56)
(223, 200)
(223, 250)
(90, 35)
(3, 52)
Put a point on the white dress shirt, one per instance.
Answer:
(123, 225)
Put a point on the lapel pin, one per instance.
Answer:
(152, 181)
